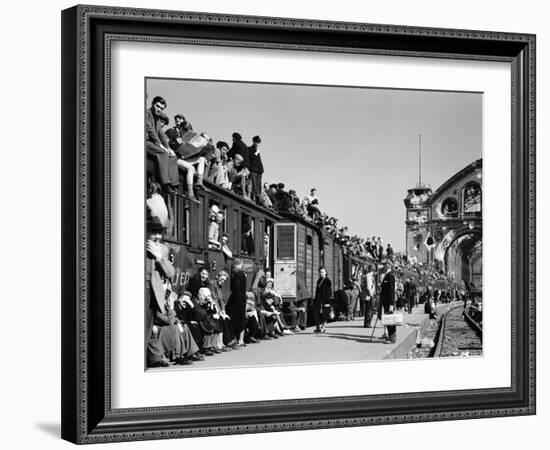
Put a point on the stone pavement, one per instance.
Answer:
(342, 342)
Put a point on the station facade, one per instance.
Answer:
(444, 228)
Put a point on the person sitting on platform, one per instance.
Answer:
(228, 336)
(170, 339)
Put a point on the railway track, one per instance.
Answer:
(459, 335)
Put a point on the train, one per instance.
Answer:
(289, 246)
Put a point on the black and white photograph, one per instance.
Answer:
(293, 224)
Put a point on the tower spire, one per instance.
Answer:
(420, 160)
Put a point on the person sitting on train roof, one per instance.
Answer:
(271, 191)
(284, 202)
(264, 200)
(218, 171)
(238, 176)
(195, 151)
(175, 133)
(157, 146)
(239, 148)
(294, 202)
(256, 168)
(313, 210)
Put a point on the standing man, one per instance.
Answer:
(156, 143)
(321, 304)
(410, 293)
(256, 168)
(389, 252)
(387, 299)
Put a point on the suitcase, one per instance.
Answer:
(392, 319)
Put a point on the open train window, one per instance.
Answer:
(285, 242)
(247, 235)
(217, 218)
(268, 233)
(178, 228)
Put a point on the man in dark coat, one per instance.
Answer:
(156, 143)
(256, 168)
(409, 290)
(321, 304)
(240, 148)
(387, 299)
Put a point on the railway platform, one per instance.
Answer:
(344, 341)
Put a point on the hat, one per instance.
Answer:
(256, 139)
(215, 209)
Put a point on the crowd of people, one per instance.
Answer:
(238, 168)
(193, 320)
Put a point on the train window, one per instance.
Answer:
(309, 239)
(268, 233)
(285, 242)
(178, 229)
(217, 216)
(247, 235)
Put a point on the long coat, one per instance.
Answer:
(387, 290)
(323, 293)
(237, 301)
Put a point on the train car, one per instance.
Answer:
(187, 236)
(296, 257)
(332, 259)
(300, 248)
(354, 265)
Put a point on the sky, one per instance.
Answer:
(358, 146)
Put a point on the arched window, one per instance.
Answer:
(449, 207)
(472, 198)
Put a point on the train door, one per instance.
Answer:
(285, 259)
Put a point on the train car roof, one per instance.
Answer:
(228, 194)
(295, 218)
(237, 198)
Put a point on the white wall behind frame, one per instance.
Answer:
(30, 389)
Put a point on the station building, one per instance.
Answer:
(444, 228)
